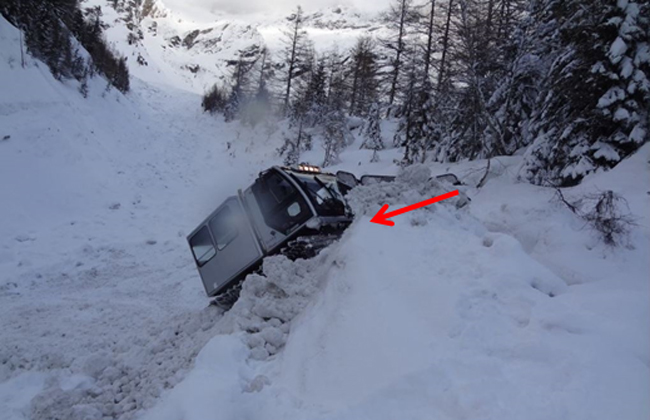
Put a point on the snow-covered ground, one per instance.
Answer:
(506, 308)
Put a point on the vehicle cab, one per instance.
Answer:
(281, 205)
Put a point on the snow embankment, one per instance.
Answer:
(437, 317)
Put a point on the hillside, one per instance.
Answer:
(509, 307)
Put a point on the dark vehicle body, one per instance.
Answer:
(282, 204)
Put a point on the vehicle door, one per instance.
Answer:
(277, 207)
(224, 246)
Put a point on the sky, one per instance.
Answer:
(268, 6)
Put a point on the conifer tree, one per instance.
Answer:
(596, 95)
(372, 138)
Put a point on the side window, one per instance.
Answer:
(202, 246)
(223, 227)
(272, 191)
(282, 206)
(279, 187)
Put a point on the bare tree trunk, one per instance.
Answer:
(483, 180)
(490, 16)
(445, 46)
(355, 88)
(20, 37)
(22, 53)
(502, 18)
(427, 57)
(262, 81)
(292, 63)
(294, 40)
(398, 57)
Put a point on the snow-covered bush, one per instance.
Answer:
(214, 100)
(607, 213)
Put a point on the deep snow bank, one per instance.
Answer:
(436, 317)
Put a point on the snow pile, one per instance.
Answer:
(269, 302)
(413, 184)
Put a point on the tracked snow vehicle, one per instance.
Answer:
(293, 211)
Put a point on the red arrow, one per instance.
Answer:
(382, 217)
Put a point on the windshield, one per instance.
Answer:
(323, 192)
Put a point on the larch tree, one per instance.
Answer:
(364, 75)
(295, 53)
(399, 17)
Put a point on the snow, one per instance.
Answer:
(621, 114)
(503, 307)
(638, 134)
(613, 95)
(16, 393)
(493, 314)
(605, 151)
(617, 50)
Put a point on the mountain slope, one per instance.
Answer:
(191, 51)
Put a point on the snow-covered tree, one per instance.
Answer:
(523, 64)
(297, 139)
(372, 138)
(214, 100)
(416, 123)
(313, 99)
(338, 87)
(233, 103)
(335, 135)
(596, 96)
(53, 29)
(364, 73)
(258, 105)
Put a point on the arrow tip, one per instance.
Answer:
(381, 219)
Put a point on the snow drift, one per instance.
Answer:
(435, 318)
